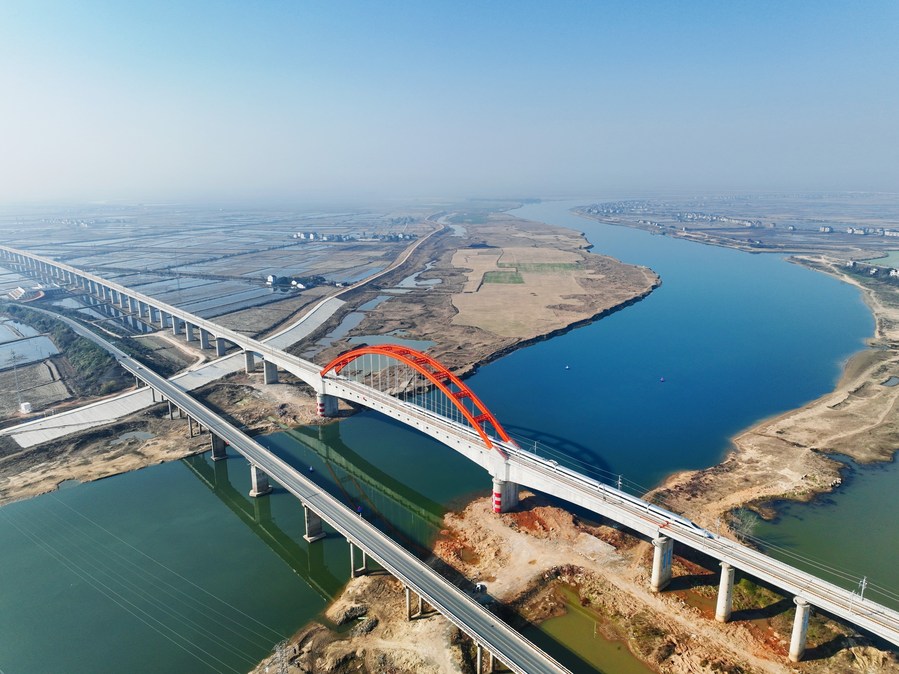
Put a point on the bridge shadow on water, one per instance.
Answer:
(308, 561)
(566, 451)
(406, 515)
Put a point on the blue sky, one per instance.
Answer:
(295, 100)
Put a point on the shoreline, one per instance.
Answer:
(530, 341)
(798, 455)
(821, 462)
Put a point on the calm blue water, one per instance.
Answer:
(736, 336)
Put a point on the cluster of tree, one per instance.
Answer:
(305, 281)
(96, 371)
(874, 273)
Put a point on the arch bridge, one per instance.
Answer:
(418, 391)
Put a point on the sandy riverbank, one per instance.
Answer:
(149, 437)
(533, 562)
(533, 559)
(789, 456)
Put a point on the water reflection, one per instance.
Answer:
(307, 560)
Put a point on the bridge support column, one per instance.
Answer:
(421, 605)
(204, 339)
(505, 495)
(314, 531)
(362, 569)
(219, 347)
(218, 447)
(249, 361)
(269, 372)
(725, 593)
(327, 405)
(190, 425)
(162, 321)
(661, 563)
(261, 487)
(176, 325)
(800, 629)
(171, 416)
(479, 659)
(189, 332)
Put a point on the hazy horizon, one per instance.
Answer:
(294, 102)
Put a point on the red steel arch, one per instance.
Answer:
(438, 375)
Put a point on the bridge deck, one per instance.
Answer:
(528, 469)
(472, 618)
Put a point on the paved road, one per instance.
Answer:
(472, 618)
(529, 470)
(49, 428)
(478, 623)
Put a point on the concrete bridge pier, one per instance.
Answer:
(421, 605)
(362, 569)
(505, 495)
(327, 405)
(314, 530)
(176, 325)
(800, 629)
(189, 332)
(262, 509)
(218, 447)
(269, 372)
(190, 425)
(204, 339)
(249, 360)
(661, 563)
(725, 593)
(162, 321)
(219, 347)
(479, 659)
(261, 487)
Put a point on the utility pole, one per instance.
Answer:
(15, 374)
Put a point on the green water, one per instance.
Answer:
(152, 571)
(890, 260)
(174, 568)
(845, 536)
(576, 637)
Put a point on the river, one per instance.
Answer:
(737, 337)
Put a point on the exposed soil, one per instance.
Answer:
(532, 564)
(788, 456)
(531, 559)
(102, 452)
(472, 321)
(374, 636)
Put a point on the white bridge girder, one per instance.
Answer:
(527, 469)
